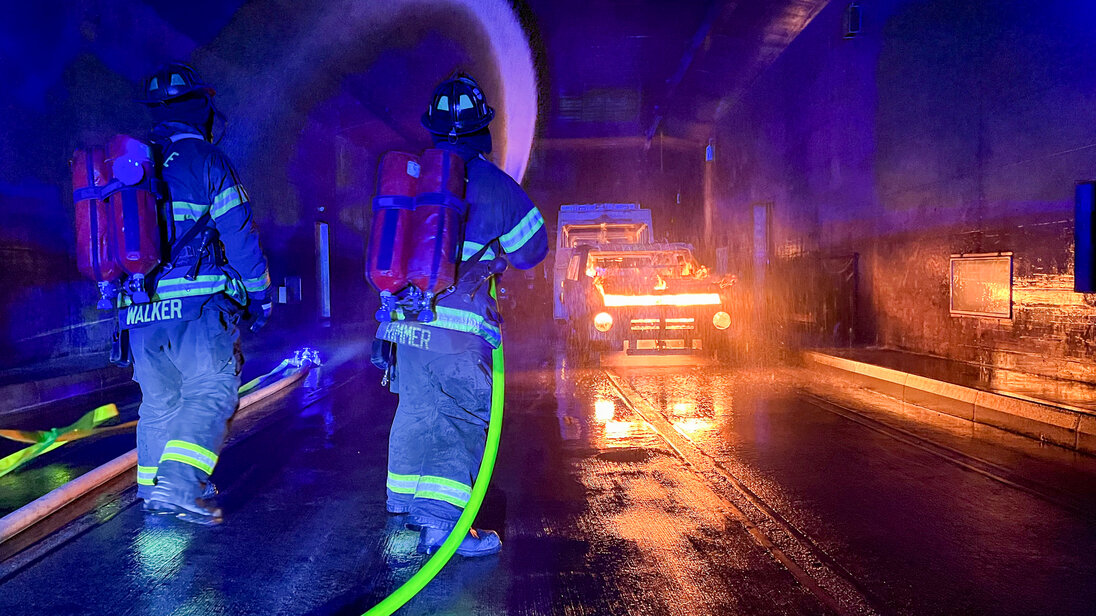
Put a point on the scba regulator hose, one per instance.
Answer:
(411, 587)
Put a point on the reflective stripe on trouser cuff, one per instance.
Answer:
(402, 484)
(426, 486)
(440, 488)
(188, 453)
(146, 475)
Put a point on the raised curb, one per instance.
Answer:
(22, 397)
(1062, 425)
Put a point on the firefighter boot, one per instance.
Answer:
(174, 497)
(477, 543)
(209, 492)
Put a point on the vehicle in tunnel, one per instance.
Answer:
(595, 224)
(645, 298)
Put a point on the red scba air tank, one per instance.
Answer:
(437, 221)
(135, 213)
(386, 254)
(95, 254)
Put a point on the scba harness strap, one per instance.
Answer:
(154, 185)
(181, 244)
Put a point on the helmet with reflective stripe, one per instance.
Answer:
(173, 81)
(458, 107)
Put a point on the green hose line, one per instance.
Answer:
(253, 383)
(411, 587)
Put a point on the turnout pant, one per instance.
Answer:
(438, 434)
(189, 373)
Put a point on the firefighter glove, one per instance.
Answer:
(259, 307)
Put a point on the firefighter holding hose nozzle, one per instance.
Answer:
(437, 330)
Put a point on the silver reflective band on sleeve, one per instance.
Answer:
(471, 248)
(523, 231)
(182, 210)
(255, 285)
(227, 199)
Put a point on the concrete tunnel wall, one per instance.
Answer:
(315, 92)
(946, 127)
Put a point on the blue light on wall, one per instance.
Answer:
(323, 268)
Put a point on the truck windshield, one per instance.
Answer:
(604, 233)
(669, 264)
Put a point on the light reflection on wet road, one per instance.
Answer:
(919, 532)
(603, 511)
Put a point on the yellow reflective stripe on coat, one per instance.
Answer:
(469, 322)
(175, 288)
(227, 199)
(199, 281)
(523, 231)
(172, 288)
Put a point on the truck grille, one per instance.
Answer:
(676, 323)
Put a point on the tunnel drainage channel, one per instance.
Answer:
(821, 576)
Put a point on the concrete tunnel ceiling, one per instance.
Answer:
(276, 74)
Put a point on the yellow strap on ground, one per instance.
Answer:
(43, 441)
(47, 440)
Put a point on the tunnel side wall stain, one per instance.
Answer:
(944, 128)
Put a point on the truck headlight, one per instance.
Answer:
(603, 321)
(721, 320)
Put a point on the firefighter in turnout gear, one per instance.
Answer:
(442, 371)
(185, 342)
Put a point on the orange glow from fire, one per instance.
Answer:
(692, 426)
(604, 410)
(681, 299)
(622, 429)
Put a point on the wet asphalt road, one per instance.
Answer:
(919, 532)
(631, 490)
